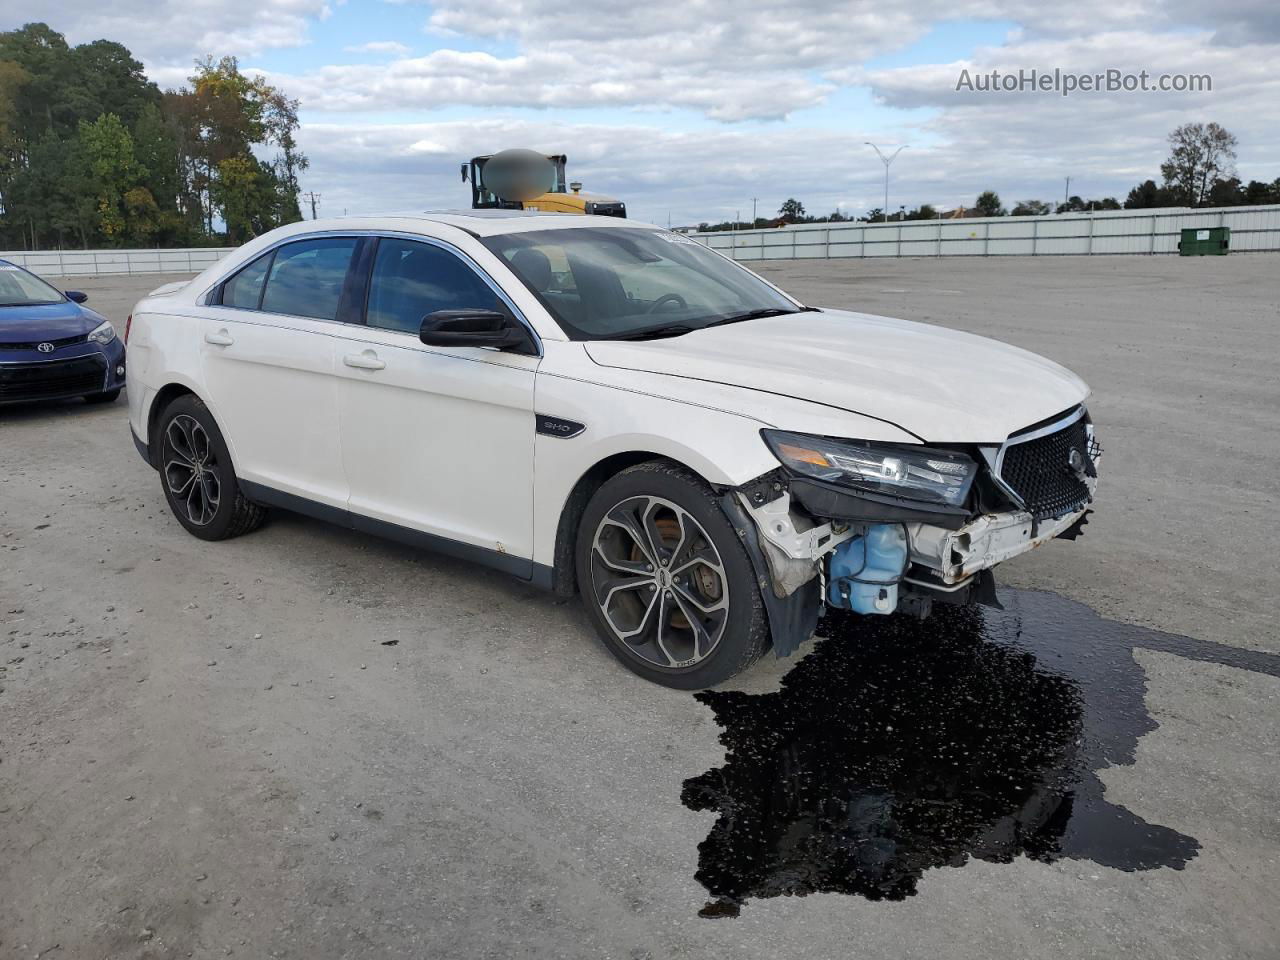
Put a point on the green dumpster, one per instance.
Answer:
(1211, 242)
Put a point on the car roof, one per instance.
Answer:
(486, 223)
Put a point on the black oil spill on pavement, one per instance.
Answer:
(899, 745)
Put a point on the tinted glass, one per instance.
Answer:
(306, 277)
(244, 290)
(411, 280)
(606, 282)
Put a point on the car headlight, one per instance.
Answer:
(103, 333)
(912, 473)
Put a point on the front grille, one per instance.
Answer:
(56, 378)
(57, 344)
(1040, 471)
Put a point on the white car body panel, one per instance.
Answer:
(443, 441)
(437, 440)
(276, 399)
(976, 390)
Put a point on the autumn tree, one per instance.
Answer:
(113, 170)
(91, 152)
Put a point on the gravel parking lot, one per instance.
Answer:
(310, 743)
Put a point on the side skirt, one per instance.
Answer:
(521, 568)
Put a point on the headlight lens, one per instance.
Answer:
(914, 473)
(102, 333)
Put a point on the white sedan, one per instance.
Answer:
(604, 407)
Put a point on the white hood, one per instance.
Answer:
(942, 385)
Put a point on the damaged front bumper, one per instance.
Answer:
(817, 545)
(955, 557)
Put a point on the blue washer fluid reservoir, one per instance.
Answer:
(864, 571)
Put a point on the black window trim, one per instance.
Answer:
(467, 260)
(214, 297)
(364, 264)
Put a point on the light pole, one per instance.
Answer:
(886, 162)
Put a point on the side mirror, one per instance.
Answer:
(474, 328)
(76, 296)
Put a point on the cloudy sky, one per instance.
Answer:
(687, 109)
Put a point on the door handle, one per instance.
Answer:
(219, 339)
(364, 361)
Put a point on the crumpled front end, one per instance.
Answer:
(832, 528)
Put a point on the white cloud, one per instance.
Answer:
(1112, 139)
(550, 79)
(379, 46)
(177, 31)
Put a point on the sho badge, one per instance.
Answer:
(45, 347)
(559, 427)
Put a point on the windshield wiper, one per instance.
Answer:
(756, 315)
(679, 329)
(655, 333)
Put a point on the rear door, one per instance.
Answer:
(268, 356)
(436, 439)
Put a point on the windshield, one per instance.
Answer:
(603, 283)
(21, 289)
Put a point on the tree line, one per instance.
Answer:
(93, 154)
(1200, 172)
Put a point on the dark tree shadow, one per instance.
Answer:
(899, 745)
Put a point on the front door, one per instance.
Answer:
(435, 439)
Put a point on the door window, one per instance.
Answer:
(412, 279)
(307, 277)
(244, 290)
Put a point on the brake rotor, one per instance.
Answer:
(668, 529)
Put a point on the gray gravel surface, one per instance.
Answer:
(310, 743)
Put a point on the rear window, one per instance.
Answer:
(306, 278)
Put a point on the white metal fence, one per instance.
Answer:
(80, 263)
(1102, 232)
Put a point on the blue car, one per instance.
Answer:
(51, 347)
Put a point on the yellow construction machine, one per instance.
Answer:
(562, 197)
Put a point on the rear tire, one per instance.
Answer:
(197, 477)
(111, 396)
(666, 581)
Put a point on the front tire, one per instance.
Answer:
(197, 477)
(666, 581)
